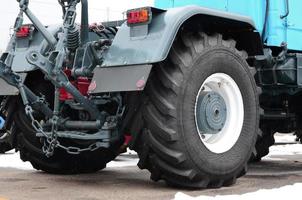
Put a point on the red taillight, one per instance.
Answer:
(24, 31)
(139, 16)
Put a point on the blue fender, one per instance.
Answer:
(154, 46)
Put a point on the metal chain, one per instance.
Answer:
(51, 142)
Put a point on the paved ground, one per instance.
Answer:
(132, 183)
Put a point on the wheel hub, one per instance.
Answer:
(219, 112)
(211, 112)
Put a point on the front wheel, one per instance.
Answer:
(202, 114)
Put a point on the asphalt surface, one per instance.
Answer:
(132, 183)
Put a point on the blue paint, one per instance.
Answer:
(2, 122)
(278, 30)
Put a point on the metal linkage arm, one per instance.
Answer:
(14, 80)
(36, 22)
(84, 23)
(60, 80)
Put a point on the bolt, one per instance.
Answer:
(34, 56)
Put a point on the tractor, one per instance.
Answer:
(197, 88)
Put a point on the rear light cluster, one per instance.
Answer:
(139, 16)
(24, 31)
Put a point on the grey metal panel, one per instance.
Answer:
(8, 90)
(155, 46)
(38, 43)
(120, 79)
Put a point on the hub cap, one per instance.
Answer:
(219, 112)
(211, 112)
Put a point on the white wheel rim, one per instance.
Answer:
(227, 88)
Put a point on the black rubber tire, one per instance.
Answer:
(170, 145)
(263, 144)
(5, 147)
(61, 162)
(298, 134)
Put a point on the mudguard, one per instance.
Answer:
(35, 42)
(129, 48)
(24, 46)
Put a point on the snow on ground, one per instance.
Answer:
(289, 149)
(285, 138)
(277, 194)
(12, 160)
(285, 145)
(125, 160)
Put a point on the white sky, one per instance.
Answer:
(49, 12)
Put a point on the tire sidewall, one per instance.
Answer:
(218, 60)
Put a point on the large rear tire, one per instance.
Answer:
(61, 162)
(180, 144)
